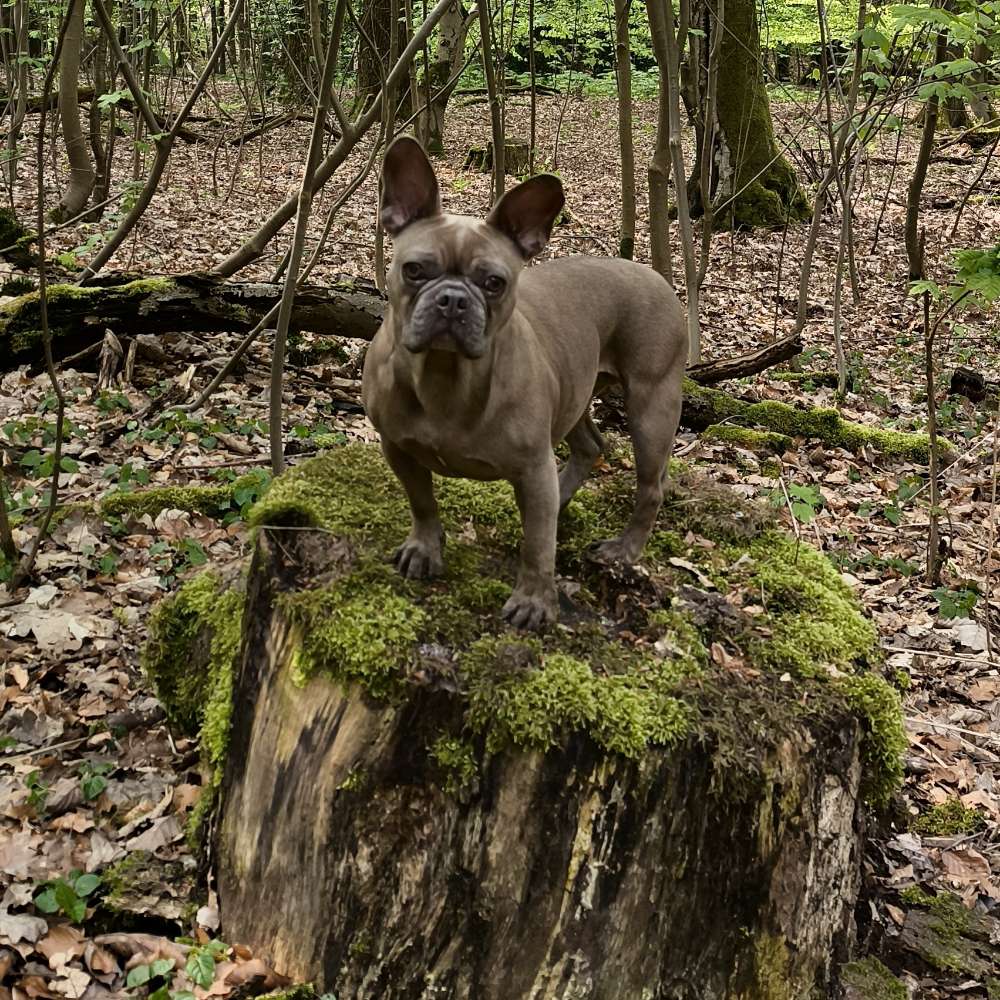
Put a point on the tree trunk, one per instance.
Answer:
(431, 804)
(448, 59)
(623, 79)
(17, 41)
(376, 24)
(753, 183)
(81, 169)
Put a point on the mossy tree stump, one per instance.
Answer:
(661, 797)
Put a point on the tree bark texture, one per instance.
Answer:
(376, 22)
(448, 58)
(754, 185)
(78, 316)
(81, 169)
(345, 857)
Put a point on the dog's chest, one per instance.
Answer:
(447, 451)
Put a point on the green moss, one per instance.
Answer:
(324, 441)
(871, 980)
(17, 238)
(946, 946)
(817, 379)
(457, 760)
(520, 696)
(194, 637)
(948, 819)
(877, 704)
(355, 630)
(825, 424)
(771, 980)
(210, 500)
(20, 320)
(371, 627)
(356, 781)
(746, 437)
(813, 616)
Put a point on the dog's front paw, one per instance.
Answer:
(613, 552)
(530, 611)
(417, 560)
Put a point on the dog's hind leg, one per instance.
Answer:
(585, 446)
(653, 409)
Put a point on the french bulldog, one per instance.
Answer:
(481, 366)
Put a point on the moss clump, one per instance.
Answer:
(457, 760)
(821, 379)
(945, 944)
(827, 425)
(194, 636)
(949, 819)
(15, 240)
(210, 500)
(871, 980)
(532, 703)
(874, 701)
(747, 437)
(355, 630)
(362, 623)
(814, 622)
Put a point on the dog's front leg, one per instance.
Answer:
(420, 555)
(534, 601)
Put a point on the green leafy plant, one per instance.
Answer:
(143, 974)
(67, 895)
(200, 968)
(92, 780)
(955, 603)
(806, 502)
(38, 789)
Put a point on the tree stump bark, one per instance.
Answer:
(516, 158)
(659, 798)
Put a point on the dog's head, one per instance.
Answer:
(453, 279)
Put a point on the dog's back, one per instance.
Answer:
(625, 310)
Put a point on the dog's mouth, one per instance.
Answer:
(419, 342)
(448, 316)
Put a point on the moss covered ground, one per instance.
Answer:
(771, 634)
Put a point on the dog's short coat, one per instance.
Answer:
(481, 366)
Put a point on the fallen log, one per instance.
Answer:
(353, 308)
(85, 95)
(664, 790)
(751, 363)
(78, 316)
(349, 307)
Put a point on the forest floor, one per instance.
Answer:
(91, 775)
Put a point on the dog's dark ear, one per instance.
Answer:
(526, 213)
(409, 187)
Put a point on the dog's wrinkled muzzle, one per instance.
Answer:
(449, 315)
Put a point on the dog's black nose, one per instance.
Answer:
(452, 302)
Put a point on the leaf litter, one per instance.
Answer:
(90, 774)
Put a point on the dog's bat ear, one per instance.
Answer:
(526, 213)
(409, 189)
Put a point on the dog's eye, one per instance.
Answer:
(494, 284)
(413, 271)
